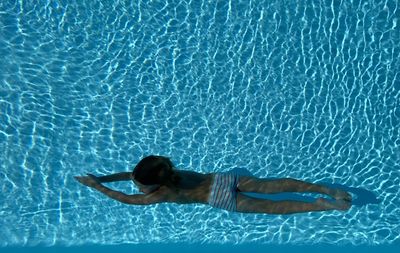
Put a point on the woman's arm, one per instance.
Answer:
(135, 199)
(122, 176)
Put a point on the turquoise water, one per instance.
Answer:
(306, 90)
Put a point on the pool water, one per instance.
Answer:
(308, 90)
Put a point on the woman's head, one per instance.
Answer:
(155, 170)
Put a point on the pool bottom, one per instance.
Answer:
(194, 248)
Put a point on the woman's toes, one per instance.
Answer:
(341, 195)
(343, 204)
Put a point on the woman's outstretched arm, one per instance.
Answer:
(121, 176)
(135, 199)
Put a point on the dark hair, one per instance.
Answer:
(155, 170)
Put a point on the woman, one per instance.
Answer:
(160, 182)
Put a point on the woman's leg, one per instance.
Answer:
(246, 204)
(268, 186)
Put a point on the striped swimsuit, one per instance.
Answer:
(224, 191)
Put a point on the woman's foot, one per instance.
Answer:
(340, 195)
(334, 205)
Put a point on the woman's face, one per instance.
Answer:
(146, 189)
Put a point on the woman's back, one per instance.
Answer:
(192, 187)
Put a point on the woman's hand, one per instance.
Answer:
(89, 180)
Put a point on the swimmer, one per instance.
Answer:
(159, 181)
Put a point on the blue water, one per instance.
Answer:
(308, 90)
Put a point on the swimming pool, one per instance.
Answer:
(281, 89)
